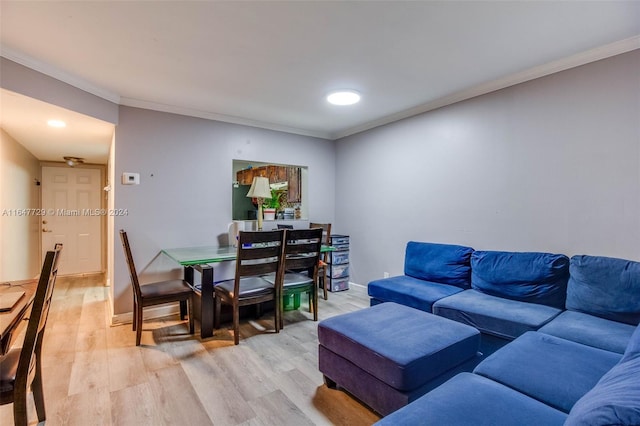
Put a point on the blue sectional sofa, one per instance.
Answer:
(570, 340)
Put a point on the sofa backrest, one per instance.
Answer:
(441, 263)
(525, 276)
(606, 287)
(615, 399)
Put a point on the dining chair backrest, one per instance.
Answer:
(32, 343)
(302, 249)
(259, 253)
(326, 231)
(133, 274)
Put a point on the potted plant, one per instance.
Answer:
(271, 205)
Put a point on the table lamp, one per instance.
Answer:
(260, 190)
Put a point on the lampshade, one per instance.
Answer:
(259, 188)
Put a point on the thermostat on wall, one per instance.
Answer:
(130, 178)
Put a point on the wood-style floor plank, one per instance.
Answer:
(95, 375)
(176, 400)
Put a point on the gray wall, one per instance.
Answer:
(184, 198)
(20, 79)
(547, 165)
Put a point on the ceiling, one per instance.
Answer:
(270, 64)
(25, 119)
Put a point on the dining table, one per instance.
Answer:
(200, 259)
(12, 317)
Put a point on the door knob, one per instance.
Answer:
(46, 230)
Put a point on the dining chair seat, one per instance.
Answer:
(9, 363)
(170, 288)
(292, 279)
(248, 286)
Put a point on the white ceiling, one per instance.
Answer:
(270, 64)
(25, 119)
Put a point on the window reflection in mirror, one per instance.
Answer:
(288, 184)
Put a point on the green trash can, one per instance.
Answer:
(291, 302)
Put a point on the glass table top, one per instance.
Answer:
(200, 255)
(209, 254)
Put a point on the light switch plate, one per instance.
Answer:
(130, 178)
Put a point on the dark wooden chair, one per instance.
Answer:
(301, 256)
(157, 293)
(322, 270)
(21, 368)
(259, 254)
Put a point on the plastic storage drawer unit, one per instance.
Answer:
(338, 268)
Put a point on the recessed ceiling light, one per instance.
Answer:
(56, 123)
(343, 97)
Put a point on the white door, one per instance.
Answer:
(72, 216)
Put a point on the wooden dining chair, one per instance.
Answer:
(156, 293)
(301, 256)
(259, 254)
(324, 259)
(21, 368)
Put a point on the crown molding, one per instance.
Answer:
(582, 58)
(85, 85)
(58, 74)
(573, 61)
(137, 103)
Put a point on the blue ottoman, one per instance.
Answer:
(389, 354)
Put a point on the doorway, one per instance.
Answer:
(71, 203)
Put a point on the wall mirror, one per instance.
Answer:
(288, 186)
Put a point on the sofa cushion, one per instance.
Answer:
(441, 263)
(615, 400)
(527, 277)
(409, 291)
(590, 330)
(555, 371)
(606, 287)
(494, 315)
(469, 399)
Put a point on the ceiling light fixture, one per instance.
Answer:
(72, 161)
(343, 97)
(57, 123)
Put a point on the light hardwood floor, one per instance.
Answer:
(95, 375)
